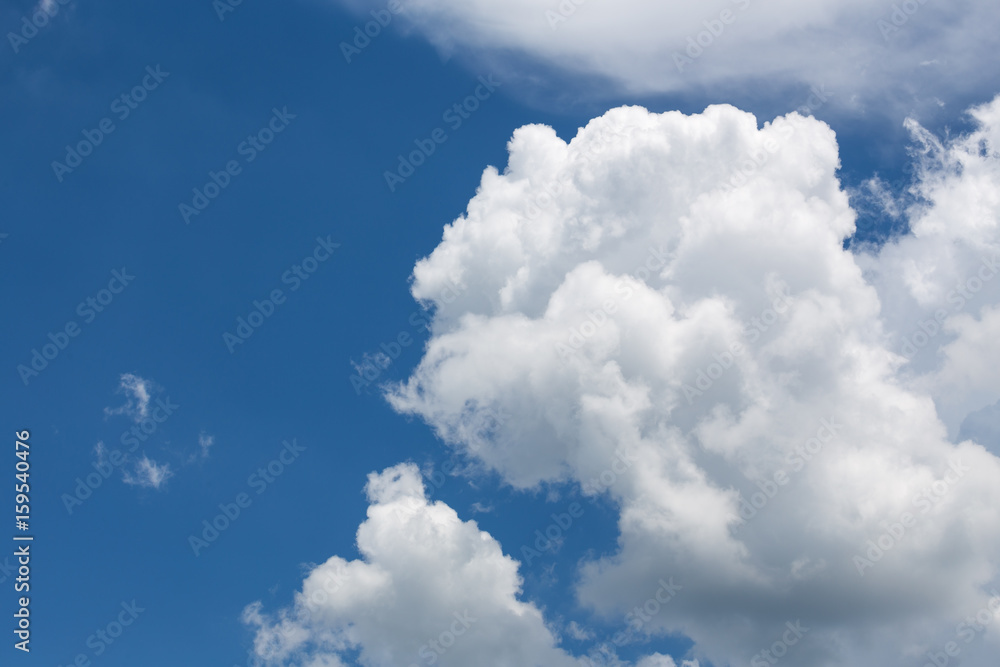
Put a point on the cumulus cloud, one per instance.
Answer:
(939, 282)
(859, 48)
(664, 311)
(147, 473)
(429, 588)
(137, 394)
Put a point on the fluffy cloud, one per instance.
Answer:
(663, 311)
(429, 589)
(939, 283)
(856, 47)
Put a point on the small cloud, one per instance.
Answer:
(148, 474)
(378, 361)
(100, 450)
(578, 632)
(479, 508)
(137, 404)
(205, 441)
(882, 197)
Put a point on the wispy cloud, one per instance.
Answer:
(148, 474)
(480, 508)
(205, 442)
(137, 391)
(578, 632)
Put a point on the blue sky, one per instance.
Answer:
(170, 286)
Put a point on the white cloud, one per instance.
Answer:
(429, 589)
(939, 284)
(205, 443)
(480, 508)
(880, 51)
(578, 632)
(659, 660)
(147, 473)
(101, 451)
(671, 317)
(137, 392)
